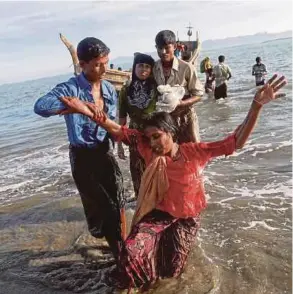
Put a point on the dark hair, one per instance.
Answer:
(90, 48)
(221, 58)
(258, 59)
(141, 58)
(149, 84)
(162, 121)
(164, 38)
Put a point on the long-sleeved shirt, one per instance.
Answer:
(81, 130)
(186, 195)
(183, 74)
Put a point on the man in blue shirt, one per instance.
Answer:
(95, 171)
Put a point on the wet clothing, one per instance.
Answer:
(221, 91)
(183, 74)
(159, 243)
(158, 246)
(137, 100)
(259, 71)
(184, 173)
(99, 181)
(94, 168)
(137, 167)
(261, 83)
(221, 72)
(82, 131)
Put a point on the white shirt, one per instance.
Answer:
(221, 72)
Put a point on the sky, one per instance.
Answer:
(29, 31)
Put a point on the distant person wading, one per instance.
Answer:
(222, 74)
(259, 70)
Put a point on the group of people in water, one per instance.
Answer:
(221, 73)
(166, 155)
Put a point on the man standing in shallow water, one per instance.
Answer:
(169, 70)
(95, 170)
(222, 73)
(259, 70)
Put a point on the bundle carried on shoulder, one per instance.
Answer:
(205, 65)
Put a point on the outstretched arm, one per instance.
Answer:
(264, 95)
(75, 105)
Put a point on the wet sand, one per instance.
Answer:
(46, 248)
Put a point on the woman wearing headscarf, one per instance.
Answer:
(137, 100)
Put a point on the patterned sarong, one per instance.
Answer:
(157, 246)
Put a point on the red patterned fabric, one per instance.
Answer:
(157, 246)
(186, 195)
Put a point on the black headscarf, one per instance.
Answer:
(139, 92)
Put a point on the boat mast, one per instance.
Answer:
(189, 32)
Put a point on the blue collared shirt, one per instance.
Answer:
(82, 131)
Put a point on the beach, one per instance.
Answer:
(245, 240)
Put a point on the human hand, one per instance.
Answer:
(75, 105)
(120, 151)
(268, 92)
(99, 114)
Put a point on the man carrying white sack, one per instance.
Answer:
(169, 70)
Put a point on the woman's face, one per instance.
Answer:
(161, 142)
(143, 71)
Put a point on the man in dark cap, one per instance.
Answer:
(259, 71)
(95, 171)
(170, 70)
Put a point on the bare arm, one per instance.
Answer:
(189, 101)
(109, 125)
(266, 94)
(244, 130)
(75, 105)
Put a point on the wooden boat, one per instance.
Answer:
(115, 77)
(192, 48)
(118, 78)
